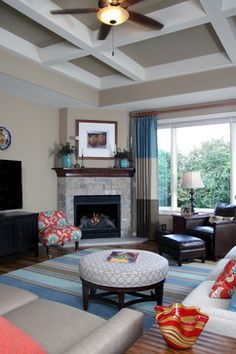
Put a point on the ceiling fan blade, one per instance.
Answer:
(102, 3)
(103, 31)
(129, 2)
(73, 11)
(144, 20)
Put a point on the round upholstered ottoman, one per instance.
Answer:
(148, 272)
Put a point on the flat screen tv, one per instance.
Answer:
(10, 185)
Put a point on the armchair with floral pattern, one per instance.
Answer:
(54, 229)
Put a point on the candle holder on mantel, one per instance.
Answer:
(82, 161)
(76, 165)
(116, 163)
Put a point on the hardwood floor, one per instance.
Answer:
(8, 265)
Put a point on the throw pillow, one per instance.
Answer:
(232, 304)
(226, 282)
(14, 340)
(217, 218)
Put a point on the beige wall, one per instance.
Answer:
(68, 119)
(34, 131)
(35, 73)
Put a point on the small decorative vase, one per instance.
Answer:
(67, 161)
(124, 163)
(180, 325)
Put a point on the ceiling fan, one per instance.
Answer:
(111, 13)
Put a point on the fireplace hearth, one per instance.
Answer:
(98, 216)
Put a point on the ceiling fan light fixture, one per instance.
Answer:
(112, 15)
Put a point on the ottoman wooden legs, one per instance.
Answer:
(159, 288)
(89, 293)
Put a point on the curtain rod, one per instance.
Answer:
(182, 108)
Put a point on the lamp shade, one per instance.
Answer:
(113, 15)
(192, 180)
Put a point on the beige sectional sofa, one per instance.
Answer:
(221, 321)
(60, 328)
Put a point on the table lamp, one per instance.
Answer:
(192, 180)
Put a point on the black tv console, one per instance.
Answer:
(18, 233)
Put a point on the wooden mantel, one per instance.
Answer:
(94, 172)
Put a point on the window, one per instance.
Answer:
(164, 170)
(205, 148)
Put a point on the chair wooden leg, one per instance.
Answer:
(77, 246)
(48, 251)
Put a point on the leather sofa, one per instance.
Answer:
(221, 320)
(218, 231)
(60, 328)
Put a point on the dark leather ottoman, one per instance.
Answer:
(182, 246)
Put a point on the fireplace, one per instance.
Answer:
(98, 216)
(97, 182)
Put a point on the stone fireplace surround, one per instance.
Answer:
(71, 183)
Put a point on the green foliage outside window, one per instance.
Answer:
(164, 177)
(213, 160)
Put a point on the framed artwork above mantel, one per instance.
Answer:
(96, 139)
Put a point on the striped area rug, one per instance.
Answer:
(58, 279)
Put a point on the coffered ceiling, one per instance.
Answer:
(192, 59)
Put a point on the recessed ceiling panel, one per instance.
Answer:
(185, 44)
(89, 20)
(94, 66)
(24, 27)
(149, 6)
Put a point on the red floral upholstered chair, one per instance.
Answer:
(54, 229)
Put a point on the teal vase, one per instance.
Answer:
(124, 163)
(67, 161)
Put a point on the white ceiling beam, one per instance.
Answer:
(230, 12)
(178, 17)
(123, 64)
(188, 66)
(228, 5)
(40, 12)
(178, 68)
(175, 18)
(18, 45)
(77, 73)
(120, 61)
(65, 26)
(60, 53)
(224, 29)
(114, 81)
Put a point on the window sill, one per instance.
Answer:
(168, 211)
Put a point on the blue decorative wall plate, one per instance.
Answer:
(5, 138)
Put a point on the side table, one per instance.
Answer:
(181, 223)
(208, 343)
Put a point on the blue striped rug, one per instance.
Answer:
(58, 279)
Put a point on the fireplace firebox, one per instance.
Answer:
(98, 216)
